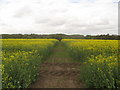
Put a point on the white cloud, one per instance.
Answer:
(54, 16)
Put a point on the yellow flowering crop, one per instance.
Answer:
(21, 59)
(100, 61)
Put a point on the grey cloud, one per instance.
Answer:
(74, 25)
(2, 23)
(41, 20)
(51, 21)
(75, 1)
(24, 11)
(53, 16)
(103, 22)
(57, 22)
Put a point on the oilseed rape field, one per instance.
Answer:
(100, 61)
(21, 59)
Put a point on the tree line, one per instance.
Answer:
(59, 36)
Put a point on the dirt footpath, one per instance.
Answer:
(59, 71)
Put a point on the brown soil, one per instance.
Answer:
(59, 71)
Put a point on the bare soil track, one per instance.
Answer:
(59, 71)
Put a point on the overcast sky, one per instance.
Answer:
(59, 16)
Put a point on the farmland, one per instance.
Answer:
(100, 61)
(95, 63)
(21, 59)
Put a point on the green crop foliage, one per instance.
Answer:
(100, 61)
(21, 59)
